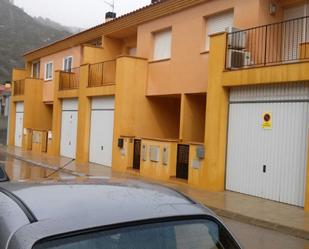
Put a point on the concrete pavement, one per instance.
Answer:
(272, 215)
(254, 237)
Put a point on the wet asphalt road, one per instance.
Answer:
(249, 236)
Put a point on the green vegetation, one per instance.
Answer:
(20, 33)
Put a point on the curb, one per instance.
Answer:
(260, 223)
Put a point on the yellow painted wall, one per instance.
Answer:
(193, 118)
(194, 178)
(19, 74)
(37, 116)
(158, 170)
(92, 54)
(264, 75)
(112, 47)
(213, 174)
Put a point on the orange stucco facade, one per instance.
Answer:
(181, 100)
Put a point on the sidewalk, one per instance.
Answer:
(252, 210)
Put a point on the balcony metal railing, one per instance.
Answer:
(283, 42)
(19, 87)
(69, 80)
(101, 74)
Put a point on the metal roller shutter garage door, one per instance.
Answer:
(268, 158)
(101, 133)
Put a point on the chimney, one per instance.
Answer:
(110, 16)
(155, 1)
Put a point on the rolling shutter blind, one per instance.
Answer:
(294, 31)
(294, 12)
(218, 23)
(162, 45)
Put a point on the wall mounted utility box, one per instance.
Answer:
(154, 153)
(165, 155)
(200, 152)
(120, 142)
(144, 152)
(39, 141)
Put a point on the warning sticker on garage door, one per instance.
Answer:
(267, 120)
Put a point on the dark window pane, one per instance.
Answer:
(194, 234)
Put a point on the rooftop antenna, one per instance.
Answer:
(111, 4)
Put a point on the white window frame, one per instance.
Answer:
(52, 70)
(63, 62)
(208, 32)
(168, 55)
(32, 68)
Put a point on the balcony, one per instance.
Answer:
(274, 44)
(101, 74)
(69, 80)
(19, 87)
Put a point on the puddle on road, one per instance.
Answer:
(21, 171)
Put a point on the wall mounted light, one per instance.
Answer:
(272, 8)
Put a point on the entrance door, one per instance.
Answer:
(101, 133)
(19, 123)
(182, 168)
(268, 161)
(69, 128)
(137, 154)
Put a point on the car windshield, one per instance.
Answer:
(188, 234)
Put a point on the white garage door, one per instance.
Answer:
(101, 133)
(19, 123)
(268, 159)
(69, 128)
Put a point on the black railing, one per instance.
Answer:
(69, 79)
(101, 74)
(270, 44)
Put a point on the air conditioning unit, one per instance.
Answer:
(238, 58)
(236, 38)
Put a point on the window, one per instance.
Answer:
(35, 70)
(162, 45)
(185, 234)
(218, 23)
(49, 71)
(67, 63)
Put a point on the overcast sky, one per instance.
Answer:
(77, 13)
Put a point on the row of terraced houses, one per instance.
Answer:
(213, 93)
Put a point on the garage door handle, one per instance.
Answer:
(102, 147)
(264, 168)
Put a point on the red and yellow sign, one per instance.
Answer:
(267, 120)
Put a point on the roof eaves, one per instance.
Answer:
(94, 27)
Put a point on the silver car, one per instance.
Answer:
(104, 213)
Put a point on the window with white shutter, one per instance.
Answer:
(162, 45)
(67, 63)
(49, 71)
(294, 32)
(218, 23)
